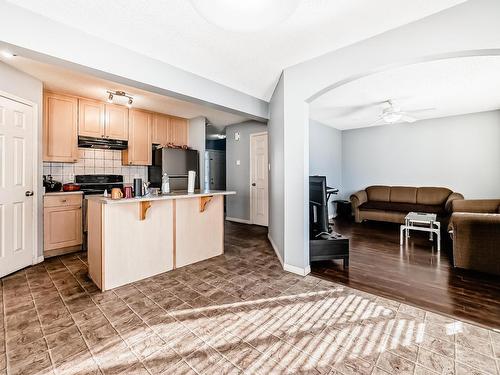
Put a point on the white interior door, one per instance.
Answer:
(259, 179)
(17, 217)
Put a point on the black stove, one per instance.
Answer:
(97, 183)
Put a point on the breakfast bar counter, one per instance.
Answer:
(132, 239)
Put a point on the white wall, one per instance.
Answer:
(197, 136)
(276, 174)
(26, 87)
(458, 152)
(238, 176)
(325, 156)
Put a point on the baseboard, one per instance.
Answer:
(297, 270)
(38, 259)
(236, 220)
(275, 248)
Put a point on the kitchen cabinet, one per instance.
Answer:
(140, 138)
(91, 118)
(178, 131)
(62, 220)
(60, 128)
(116, 124)
(100, 120)
(161, 129)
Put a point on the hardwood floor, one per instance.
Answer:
(415, 274)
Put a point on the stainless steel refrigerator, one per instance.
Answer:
(176, 163)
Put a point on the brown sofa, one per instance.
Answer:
(475, 229)
(393, 203)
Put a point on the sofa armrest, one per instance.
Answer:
(448, 204)
(475, 205)
(357, 199)
(476, 241)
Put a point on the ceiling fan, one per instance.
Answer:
(393, 114)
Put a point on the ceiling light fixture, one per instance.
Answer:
(8, 54)
(245, 15)
(112, 94)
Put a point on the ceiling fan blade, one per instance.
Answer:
(376, 121)
(407, 118)
(421, 110)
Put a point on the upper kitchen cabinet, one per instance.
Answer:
(99, 120)
(140, 139)
(161, 129)
(90, 118)
(60, 128)
(178, 131)
(116, 124)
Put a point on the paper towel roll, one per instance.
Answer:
(191, 180)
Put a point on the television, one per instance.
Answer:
(318, 206)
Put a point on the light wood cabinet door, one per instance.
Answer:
(117, 118)
(60, 128)
(178, 131)
(161, 129)
(139, 142)
(90, 118)
(62, 227)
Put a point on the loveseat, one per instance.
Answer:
(475, 230)
(393, 203)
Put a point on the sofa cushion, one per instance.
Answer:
(403, 194)
(378, 193)
(403, 207)
(432, 195)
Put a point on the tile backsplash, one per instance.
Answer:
(92, 161)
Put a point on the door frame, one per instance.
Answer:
(37, 201)
(250, 175)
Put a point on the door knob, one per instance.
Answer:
(254, 184)
(29, 193)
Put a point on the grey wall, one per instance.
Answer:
(238, 176)
(459, 152)
(26, 87)
(325, 156)
(276, 174)
(197, 135)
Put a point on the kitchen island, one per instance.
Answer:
(132, 239)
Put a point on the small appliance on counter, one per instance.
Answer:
(50, 184)
(138, 187)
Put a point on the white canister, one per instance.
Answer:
(191, 180)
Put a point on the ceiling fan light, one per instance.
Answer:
(392, 118)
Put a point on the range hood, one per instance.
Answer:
(103, 143)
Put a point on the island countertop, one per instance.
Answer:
(160, 197)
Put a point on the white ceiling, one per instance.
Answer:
(67, 81)
(173, 32)
(453, 87)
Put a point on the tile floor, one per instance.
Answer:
(237, 313)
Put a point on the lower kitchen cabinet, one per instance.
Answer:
(62, 220)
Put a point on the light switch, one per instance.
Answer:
(238, 162)
(237, 136)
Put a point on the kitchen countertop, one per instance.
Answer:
(64, 192)
(173, 195)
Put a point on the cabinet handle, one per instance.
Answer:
(63, 200)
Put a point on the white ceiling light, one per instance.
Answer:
(245, 15)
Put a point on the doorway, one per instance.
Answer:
(259, 171)
(17, 199)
